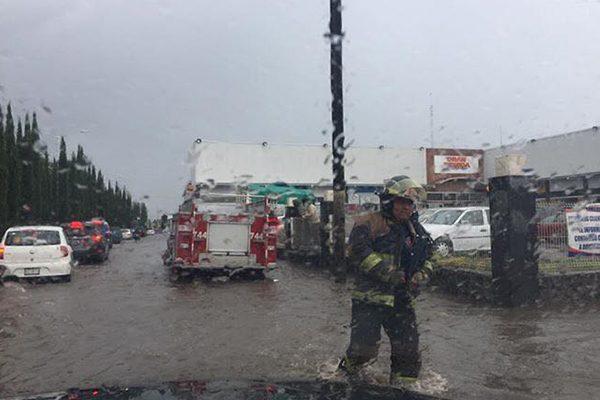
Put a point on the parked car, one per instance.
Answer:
(553, 228)
(36, 252)
(426, 213)
(460, 229)
(100, 246)
(116, 235)
(127, 234)
(87, 241)
(78, 239)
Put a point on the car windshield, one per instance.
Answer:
(315, 199)
(32, 238)
(425, 215)
(444, 217)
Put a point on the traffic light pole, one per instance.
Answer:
(337, 118)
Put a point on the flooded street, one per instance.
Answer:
(124, 323)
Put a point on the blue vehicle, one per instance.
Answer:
(116, 235)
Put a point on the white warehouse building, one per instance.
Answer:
(224, 165)
(304, 165)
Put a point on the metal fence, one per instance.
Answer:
(552, 232)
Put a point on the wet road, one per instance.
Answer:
(124, 323)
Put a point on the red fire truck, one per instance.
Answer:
(223, 235)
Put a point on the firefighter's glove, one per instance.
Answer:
(394, 275)
(423, 276)
(413, 287)
(397, 278)
(427, 268)
(418, 279)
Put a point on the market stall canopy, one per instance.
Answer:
(282, 191)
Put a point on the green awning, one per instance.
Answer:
(282, 192)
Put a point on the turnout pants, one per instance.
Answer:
(399, 323)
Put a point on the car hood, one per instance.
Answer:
(216, 390)
(436, 230)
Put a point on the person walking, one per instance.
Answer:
(389, 249)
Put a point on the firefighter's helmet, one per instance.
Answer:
(400, 186)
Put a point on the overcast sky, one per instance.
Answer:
(136, 81)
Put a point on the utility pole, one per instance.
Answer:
(431, 121)
(338, 149)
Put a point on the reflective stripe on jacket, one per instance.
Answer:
(386, 255)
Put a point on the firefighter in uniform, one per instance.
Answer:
(390, 249)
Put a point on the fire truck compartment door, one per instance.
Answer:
(227, 237)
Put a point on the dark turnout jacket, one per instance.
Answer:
(387, 254)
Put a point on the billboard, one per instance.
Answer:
(445, 165)
(583, 230)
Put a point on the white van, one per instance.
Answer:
(460, 229)
(36, 252)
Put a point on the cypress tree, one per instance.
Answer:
(27, 162)
(119, 206)
(45, 187)
(75, 204)
(108, 203)
(3, 177)
(79, 183)
(144, 213)
(100, 181)
(63, 184)
(14, 168)
(35, 131)
(36, 170)
(54, 190)
(100, 190)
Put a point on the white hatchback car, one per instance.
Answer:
(36, 252)
(460, 229)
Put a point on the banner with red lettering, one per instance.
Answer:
(454, 164)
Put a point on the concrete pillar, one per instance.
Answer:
(514, 237)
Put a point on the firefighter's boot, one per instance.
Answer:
(401, 381)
